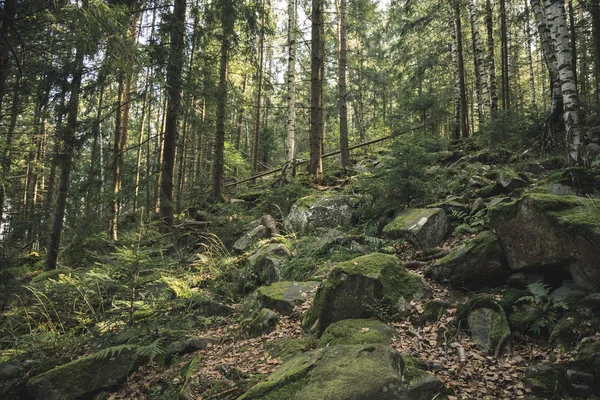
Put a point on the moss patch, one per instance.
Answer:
(285, 347)
(356, 331)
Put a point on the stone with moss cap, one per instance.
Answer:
(422, 227)
(356, 331)
(349, 372)
(284, 296)
(478, 263)
(85, 377)
(363, 287)
(542, 230)
(311, 212)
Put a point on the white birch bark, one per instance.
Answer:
(291, 86)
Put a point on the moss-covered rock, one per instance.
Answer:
(490, 191)
(287, 347)
(263, 322)
(422, 227)
(310, 213)
(541, 230)
(478, 263)
(356, 331)
(251, 238)
(53, 274)
(84, 377)
(432, 312)
(348, 372)
(267, 261)
(490, 330)
(509, 180)
(545, 379)
(284, 296)
(359, 287)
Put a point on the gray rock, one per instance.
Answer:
(477, 181)
(267, 261)
(84, 377)
(546, 231)
(589, 306)
(510, 181)
(422, 227)
(490, 330)
(498, 200)
(9, 370)
(359, 372)
(284, 296)
(310, 213)
(263, 322)
(560, 294)
(477, 206)
(188, 345)
(478, 263)
(331, 238)
(363, 288)
(560, 190)
(250, 238)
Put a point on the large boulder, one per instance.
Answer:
(478, 263)
(545, 231)
(349, 373)
(422, 227)
(310, 213)
(284, 296)
(375, 285)
(85, 377)
(266, 263)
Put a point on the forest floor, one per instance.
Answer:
(466, 370)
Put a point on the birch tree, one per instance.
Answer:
(316, 98)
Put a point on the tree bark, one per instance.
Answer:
(557, 21)
(316, 101)
(481, 79)
(9, 12)
(530, 57)
(489, 21)
(504, 57)
(174, 86)
(290, 148)
(343, 59)
(259, 81)
(69, 140)
(227, 22)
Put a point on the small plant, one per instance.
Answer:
(549, 310)
(383, 311)
(466, 223)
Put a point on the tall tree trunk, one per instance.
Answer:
(116, 166)
(489, 21)
(290, 148)
(174, 86)
(504, 57)
(556, 18)
(529, 56)
(7, 152)
(464, 110)
(69, 139)
(555, 123)
(7, 18)
(455, 127)
(138, 163)
(316, 100)
(227, 22)
(259, 80)
(343, 58)
(481, 79)
(241, 112)
(93, 183)
(595, 13)
(573, 32)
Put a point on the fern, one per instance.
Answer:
(152, 350)
(112, 352)
(549, 310)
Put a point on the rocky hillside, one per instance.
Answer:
(486, 286)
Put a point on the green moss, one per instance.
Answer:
(502, 212)
(573, 297)
(475, 302)
(412, 369)
(276, 290)
(510, 297)
(370, 265)
(500, 330)
(286, 380)
(522, 321)
(433, 311)
(489, 191)
(356, 331)
(52, 274)
(287, 347)
(305, 202)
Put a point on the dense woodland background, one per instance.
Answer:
(124, 109)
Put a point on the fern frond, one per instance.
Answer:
(111, 352)
(152, 350)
